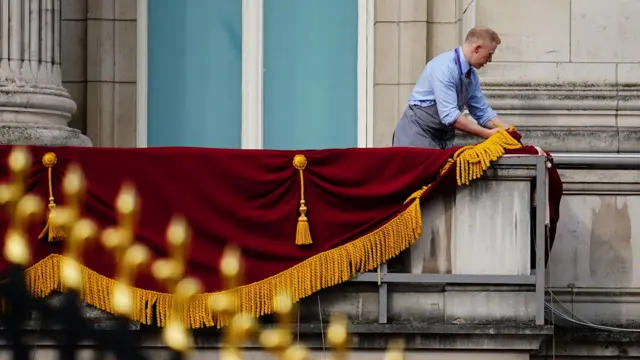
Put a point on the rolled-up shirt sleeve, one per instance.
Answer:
(478, 106)
(444, 91)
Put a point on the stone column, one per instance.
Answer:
(34, 106)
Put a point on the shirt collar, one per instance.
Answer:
(463, 62)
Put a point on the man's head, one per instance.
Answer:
(479, 46)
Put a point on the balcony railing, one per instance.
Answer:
(530, 170)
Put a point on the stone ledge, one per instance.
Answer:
(424, 304)
(365, 336)
(574, 138)
(568, 105)
(613, 307)
(590, 344)
(600, 182)
(427, 305)
(559, 97)
(40, 135)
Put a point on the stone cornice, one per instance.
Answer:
(569, 117)
(560, 138)
(580, 97)
(601, 182)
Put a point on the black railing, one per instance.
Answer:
(72, 330)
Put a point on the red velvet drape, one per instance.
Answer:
(246, 197)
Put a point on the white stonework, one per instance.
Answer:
(484, 229)
(34, 106)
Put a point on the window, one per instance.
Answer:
(305, 65)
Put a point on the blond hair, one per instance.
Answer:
(484, 34)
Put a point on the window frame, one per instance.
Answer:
(252, 73)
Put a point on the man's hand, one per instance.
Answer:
(497, 123)
(470, 126)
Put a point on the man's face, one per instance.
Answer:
(482, 54)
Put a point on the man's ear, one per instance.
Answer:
(477, 48)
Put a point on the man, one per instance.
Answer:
(447, 84)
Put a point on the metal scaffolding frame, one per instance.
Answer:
(383, 278)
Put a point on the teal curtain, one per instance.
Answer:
(310, 74)
(195, 73)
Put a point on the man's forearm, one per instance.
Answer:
(471, 127)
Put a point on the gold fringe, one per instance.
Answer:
(55, 232)
(324, 270)
(303, 234)
(321, 271)
(473, 161)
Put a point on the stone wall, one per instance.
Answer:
(401, 29)
(570, 85)
(568, 75)
(74, 53)
(567, 72)
(99, 68)
(573, 82)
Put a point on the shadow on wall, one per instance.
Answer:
(611, 253)
(591, 266)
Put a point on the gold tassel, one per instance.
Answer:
(303, 234)
(55, 232)
(472, 161)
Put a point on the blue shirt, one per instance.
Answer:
(438, 84)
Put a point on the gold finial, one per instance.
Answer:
(120, 241)
(134, 256)
(230, 265)
(73, 185)
(128, 207)
(19, 160)
(338, 335)
(278, 339)
(224, 304)
(176, 334)
(120, 237)
(283, 304)
(296, 352)
(241, 329)
(170, 270)
(7, 194)
(49, 159)
(299, 162)
(82, 231)
(395, 350)
(178, 236)
(115, 240)
(73, 188)
(275, 340)
(22, 209)
(28, 208)
(16, 246)
(10, 192)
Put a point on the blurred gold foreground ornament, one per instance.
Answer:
(130, 256)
